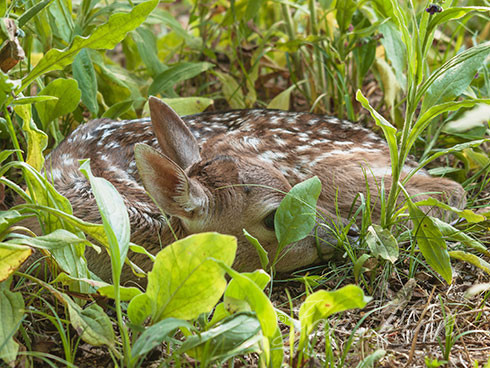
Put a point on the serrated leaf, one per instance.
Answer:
(106, 36)
(296, 215)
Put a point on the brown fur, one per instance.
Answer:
(207, 177)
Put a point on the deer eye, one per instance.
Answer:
(269, 221)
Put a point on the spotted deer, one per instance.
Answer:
(225, 172)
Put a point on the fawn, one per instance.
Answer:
(202, 171)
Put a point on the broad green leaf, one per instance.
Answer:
(382, 243)
(431, 242)
(37, 140)
(8, 218)
(68, 97)
(452, 78)
(114, 217)
(282, 100)
(388, 129)
(111, 86)
(184, 281)
(472, 259)
(263, 308)
(118, 109)
(12, 311)
(11, 257)
(92, 324)
(322, 304)
(188, 105)
(4, 154)
(155, 335)
(395, 50)
(61, 21)
(107, 36)
(84, 74)
(263, 255)
(236, 334)
(231, 91)
(179, 72)
(296, 215)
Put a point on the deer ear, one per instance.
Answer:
(174, 137)
(167, 183)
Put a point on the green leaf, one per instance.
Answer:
(188, 105)
(345, 11)
(238, 334)
(263, 308)
(12, 312)
(184, 281)
(146, 44)
(11, 257)
(282, 100)
(231, 91)
(126, 293)
(296, 215)
(114, 217)
(155, 335)
(454, 13)
(118, 109)
(467, 214)
(68, 97)
(84, 74)
(177, 73)
(472, 259)
(54, 240)
(395, 50)
(431, 242)
(388, 129)
(32, 11)
(37, 140)
(371, 359)
(91, 323)
(424, 120)
(29, 100)
(382, 243)
(107, 36)
(322, 304)
(263, 255)
(452, 78)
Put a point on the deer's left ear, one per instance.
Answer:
(174, 137)
(167, 183)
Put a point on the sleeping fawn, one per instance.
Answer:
(227, 172)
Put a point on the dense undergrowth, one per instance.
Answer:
(417, 68)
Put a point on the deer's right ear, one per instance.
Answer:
(167, 183)
(174, 137)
